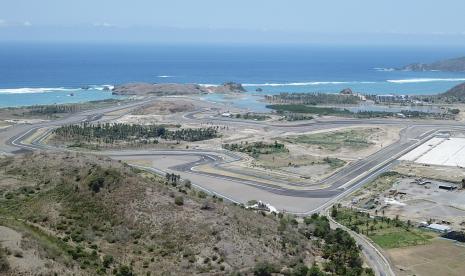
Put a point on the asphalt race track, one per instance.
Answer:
(290, 197)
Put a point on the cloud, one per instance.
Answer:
(103, 24)
(4, 23)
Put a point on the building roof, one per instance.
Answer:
(439, 227)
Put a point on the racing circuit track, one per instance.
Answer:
(290, 197)
(325, 192)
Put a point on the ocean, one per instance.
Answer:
(56, 73)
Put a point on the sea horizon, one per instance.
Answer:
(46, 73)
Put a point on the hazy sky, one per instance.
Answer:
(241, 21)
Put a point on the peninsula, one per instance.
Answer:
(449, 65)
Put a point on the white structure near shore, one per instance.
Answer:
(440, 151)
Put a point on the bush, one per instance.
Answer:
(265, 269)
(107, 260)
(187, 184)
(96, 184)
(179, 200)
(202, 194)
(124, 271)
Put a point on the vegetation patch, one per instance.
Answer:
(288, 116)
(52, 111)
(93, 135)
(334, 111)
(312, 98)
(301, 108)
(339, 248)
(256, 148)
(354, 139)
(382, 183)
(252, 116)
(384, 231)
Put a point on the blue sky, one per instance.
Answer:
(238, 21)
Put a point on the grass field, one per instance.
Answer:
(387, 233)
(394, 237)
(355, 139)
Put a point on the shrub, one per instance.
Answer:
(265, 269)
(124, 271)
(187, 183)
(96, 184)
(179, 200)
(202, 194)
(107, 260)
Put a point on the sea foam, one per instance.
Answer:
(27, 90)
(307, 83)
(31, 90)
(420, 80)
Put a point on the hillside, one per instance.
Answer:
(451, 65)
(167, 89)
(66, 214)
(82, 215)
(456, 93)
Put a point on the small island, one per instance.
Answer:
(171, 89)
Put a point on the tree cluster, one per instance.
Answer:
(256, 148)
(312, 98)
(53, 109)
(110, 133)
(339, 248)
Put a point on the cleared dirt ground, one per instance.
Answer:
(440, 257)
(453, 174)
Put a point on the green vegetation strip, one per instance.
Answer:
(355, 139)
(252, 116)
(300, 108)
(110, 133)
(312, 98)
(384, 231)
(333, 111)
(257, 148)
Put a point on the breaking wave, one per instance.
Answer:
(420, 80)
(30, 90)
(307, 83)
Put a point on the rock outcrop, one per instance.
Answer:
(229, 87)
(346, 91)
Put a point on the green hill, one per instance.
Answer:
(451, 65)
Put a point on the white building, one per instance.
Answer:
(439, 228)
